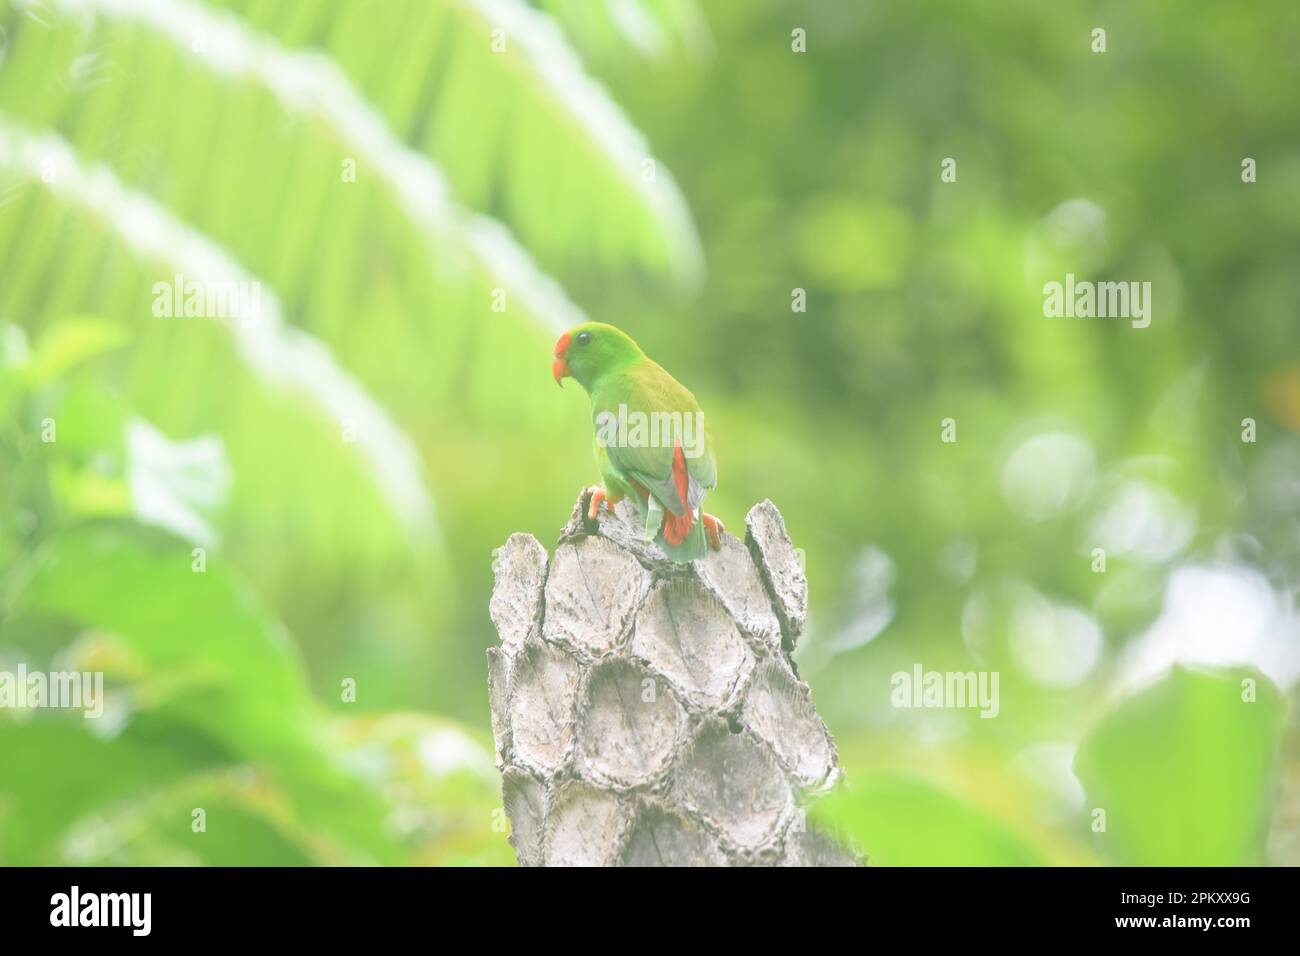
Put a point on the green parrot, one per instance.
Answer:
(651, 442)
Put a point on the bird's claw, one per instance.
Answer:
(598, 496)
(714, 528)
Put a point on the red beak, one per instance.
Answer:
(560, 367)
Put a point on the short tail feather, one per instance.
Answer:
(681, 536)
(690, 544)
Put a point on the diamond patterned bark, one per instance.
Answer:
(647, 713)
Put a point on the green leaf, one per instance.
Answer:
(140, 586)
(444, 787)
(1185, 771)
(56, 771)
(896, 819)
(196, 657)
(68, 343)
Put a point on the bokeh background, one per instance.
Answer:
(428, 191)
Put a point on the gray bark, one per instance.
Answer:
(650, 713)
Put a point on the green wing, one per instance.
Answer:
(647, 458)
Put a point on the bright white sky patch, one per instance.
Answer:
(1219, 615)
(1143, 520)
(1047, 473)
(1055, 644)
(177, 485)
(1049, 766)
(1052, 643)
(1070, 238)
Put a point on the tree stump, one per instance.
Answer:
(647, 713)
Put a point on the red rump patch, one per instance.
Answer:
(677, 527)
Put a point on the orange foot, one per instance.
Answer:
(597, 496)
(714, 528)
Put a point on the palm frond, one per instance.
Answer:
(281, 355)
(493, 91)
(655, 31)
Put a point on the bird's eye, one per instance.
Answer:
(584, 338)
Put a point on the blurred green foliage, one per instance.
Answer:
(348, 466)
(1190, 739)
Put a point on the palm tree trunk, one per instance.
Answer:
(650, 713)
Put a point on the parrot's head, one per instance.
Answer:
(588, 351)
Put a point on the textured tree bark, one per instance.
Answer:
(648, 713)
